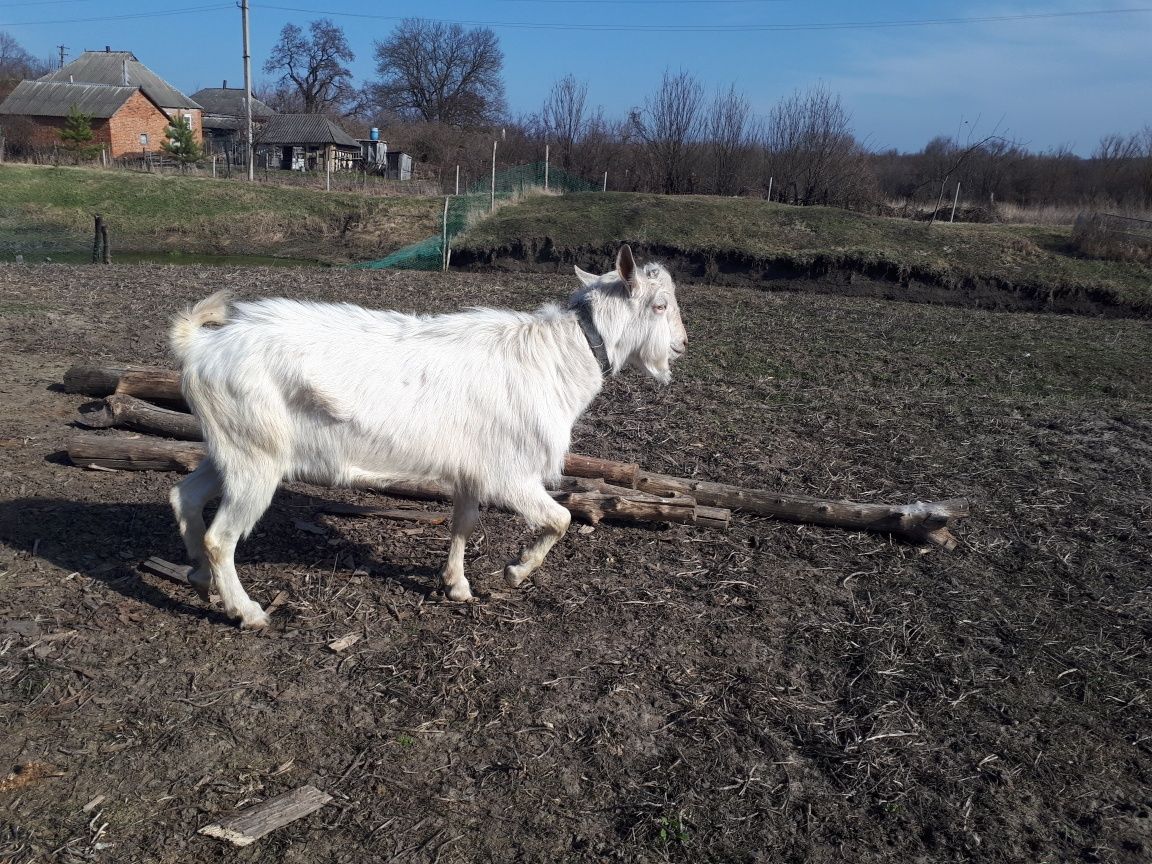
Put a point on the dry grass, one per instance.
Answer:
(1116, 238)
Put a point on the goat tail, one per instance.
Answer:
(186, 326)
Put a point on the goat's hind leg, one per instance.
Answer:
(248, 491)
(549, 519)
(465, 515)
(188, 499)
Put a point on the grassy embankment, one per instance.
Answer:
(733, 239)
(46, 211)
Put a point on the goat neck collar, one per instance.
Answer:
(595, 340)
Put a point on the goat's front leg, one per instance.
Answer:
(465, 515)
(549, 519)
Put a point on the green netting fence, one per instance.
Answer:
(475, 203)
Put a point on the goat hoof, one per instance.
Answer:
(201, 583)
(459, 594)
(254, 619)
(515, 574)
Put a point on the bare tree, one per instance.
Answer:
(441, 73)
(313, 65)
(563, 116)
(668, 124)
(727, 133)
(811, 149)
(16, 63)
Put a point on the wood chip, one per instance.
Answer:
(93, 804)
(160, 567)
(248, 826)
(344, 642)
(310, 527)
(26, 774)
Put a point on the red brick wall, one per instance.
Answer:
(121, 132)
(44, 132)
(135, 116)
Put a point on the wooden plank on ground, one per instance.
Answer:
(248, 826)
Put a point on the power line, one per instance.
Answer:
(729, 28)
(163, 14)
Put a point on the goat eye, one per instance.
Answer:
(659, 308)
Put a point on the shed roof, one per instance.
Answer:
(304, 129)
(56, 98)
(229, 102)
(121, 68)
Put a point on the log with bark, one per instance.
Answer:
(920, 522)
(146, 382)
(587, 501)
(128, 412)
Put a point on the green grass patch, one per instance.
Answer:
(45, 210)
(739, 232)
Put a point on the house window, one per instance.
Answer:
(188, 120)
(143, 139)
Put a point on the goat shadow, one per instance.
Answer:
(108, 541)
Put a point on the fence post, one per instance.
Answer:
(457, 179)
(546, 155)
(770, 179)
(605, 181)
(492, 208)
(444, 237)
(955, 201)
(96, 239)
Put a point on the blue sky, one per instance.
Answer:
(1044, 81)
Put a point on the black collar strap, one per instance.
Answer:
(595, 340)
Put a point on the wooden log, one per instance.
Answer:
(134, 453)
(146, 382)
(248, 826)
(143, 453)
(919, 522)
(617, 473)
(128, 412)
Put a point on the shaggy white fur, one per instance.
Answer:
(482, 402)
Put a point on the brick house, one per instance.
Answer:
(124, 119)
(131, 105)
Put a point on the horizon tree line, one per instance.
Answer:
(439, 91)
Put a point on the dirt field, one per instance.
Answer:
(774, 694)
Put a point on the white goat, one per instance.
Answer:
(482, 402)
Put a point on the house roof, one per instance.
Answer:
(55, 99)
(121, 68)
(304, 129)
(229, 102)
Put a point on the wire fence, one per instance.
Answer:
(478, 200)
(1106, 235)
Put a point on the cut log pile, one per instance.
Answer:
(592, 489)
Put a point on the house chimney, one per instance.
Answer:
(124, 66)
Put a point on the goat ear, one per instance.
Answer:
(626, 265)
(586, 279)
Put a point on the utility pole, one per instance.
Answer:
(249, 143)
(63, 54)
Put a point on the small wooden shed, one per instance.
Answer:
(307, 142)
